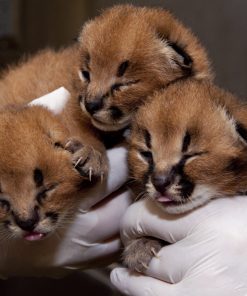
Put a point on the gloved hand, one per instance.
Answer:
(207, 255)
(92, 235)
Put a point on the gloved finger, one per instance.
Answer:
(135, 284)
(101, 222)
(117, 176)
(145, 218)
(77, 260)
(173, 262)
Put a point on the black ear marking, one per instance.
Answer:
(186, 142)
(183, 59)
(38, 177)
(122, 68)
(147, 137)
(179, 50)
(241, 130)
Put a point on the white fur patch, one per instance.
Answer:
(54, 101)
(80, 76)
(200, 196)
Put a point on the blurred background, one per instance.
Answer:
(28, 25)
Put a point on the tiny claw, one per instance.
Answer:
(101, 177)
(90, 173)
(78, 161)
(138, 270)
(67, 144)
(154, 252)
(144, 265)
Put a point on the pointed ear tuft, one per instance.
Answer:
(176, 55)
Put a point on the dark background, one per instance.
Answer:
(28, 25)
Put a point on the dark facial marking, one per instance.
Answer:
(86, 75)
(87, 60)
(116, 113)
(187, 187)
(5, 205)
(43, 193)
(53, 216)
(147, 155)
(122, 68)
(58, 145)
(186, 142)
(237, 165)
(147, 138)
(242, 131)
(38, 177)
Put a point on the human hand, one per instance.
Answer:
(207, 254)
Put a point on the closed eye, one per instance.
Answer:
(44, 192)
(193, 154)
(5, 205)
(121, 86)
(147, 156)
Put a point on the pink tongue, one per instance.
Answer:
(164, 199)
(33, 236)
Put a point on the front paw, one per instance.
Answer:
(89, 162)
(138, 254)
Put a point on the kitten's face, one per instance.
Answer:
(185, 150)
(123, 60)
(37, 179)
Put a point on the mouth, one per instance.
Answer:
(109, 126)
(34, 236)
(167, 200)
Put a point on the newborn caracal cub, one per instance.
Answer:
(39, 186)
(188, 145)
(128, 52)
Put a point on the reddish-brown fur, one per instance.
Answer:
(216, 166)
(151, 40)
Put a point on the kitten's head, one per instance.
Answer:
(128, 52)
(185, 149)
(38, 183)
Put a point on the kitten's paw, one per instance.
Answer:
(89, 162)
(138, 254)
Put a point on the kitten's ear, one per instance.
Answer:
(241, 131)
(238, 129)
(54, 101)
(176, 55)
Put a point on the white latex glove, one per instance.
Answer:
(91, 237)
(207, 255)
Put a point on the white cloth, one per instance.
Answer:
(54, 101)
(207, 255)
(93, 234)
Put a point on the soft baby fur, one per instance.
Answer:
(188, 145)
(128, 52)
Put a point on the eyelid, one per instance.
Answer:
(4, 204)
(42, 193)
(117, 86)
(194, 154)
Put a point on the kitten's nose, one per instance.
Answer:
(28, 224)
(94, 106)
(161, 181)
